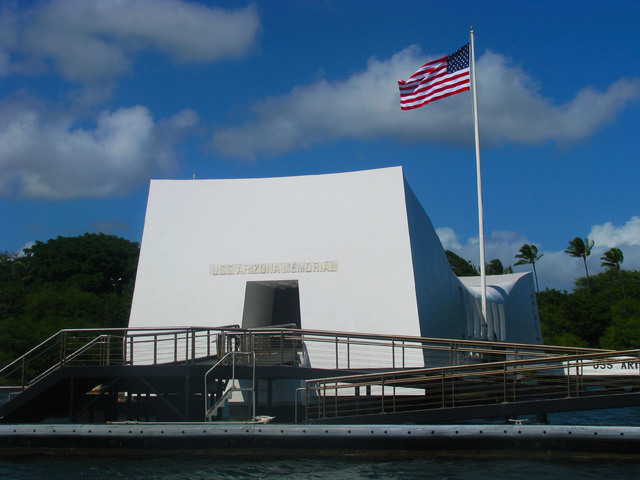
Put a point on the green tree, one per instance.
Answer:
(67, 282)
(529, 254)
(495, 267)
(460, 266)
(597, 317)
(624, 331)
(581, 248)
(612, 260)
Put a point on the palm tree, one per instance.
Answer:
(612, 260)
(581, 248)
(495, 267)
(529, 254)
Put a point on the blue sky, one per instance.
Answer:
(97, 98)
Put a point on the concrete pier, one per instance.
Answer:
(251, 439)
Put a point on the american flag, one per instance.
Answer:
(437, 79)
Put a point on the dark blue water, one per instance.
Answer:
(446, 466)
(191, 469)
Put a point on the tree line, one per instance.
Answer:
(87, 282)
(67, 282)
(602, 311)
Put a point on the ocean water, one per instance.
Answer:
(176, 466)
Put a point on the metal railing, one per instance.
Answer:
(357, 351)
(113, 346)
(471, 385)
(281, 346)
(210, 411)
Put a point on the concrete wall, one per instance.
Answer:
(238, 229)
(358, 247)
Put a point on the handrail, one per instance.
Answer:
(66, 359)
(207, 410)
(347, 349)
(70, 343)
(442, 341)
(398, 343)
(302, 333)
(508, 377)
(21, 357)
(479, 366)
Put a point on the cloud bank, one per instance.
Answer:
(555, 269)
(49, 156)
(96, 41)
(75, 150)
(366, 106)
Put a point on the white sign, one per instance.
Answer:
(269, 268)
(610, 366)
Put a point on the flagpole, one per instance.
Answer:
(483, 279)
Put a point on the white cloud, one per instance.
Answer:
(366, 105)
(555, 269)
(49, 156)
(501, 244)
(625, 237)
(609, 235)
(27, 245)
(448, 238)
(90, 41)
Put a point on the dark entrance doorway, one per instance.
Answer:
(271, 303)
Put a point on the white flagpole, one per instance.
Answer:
(483, 279)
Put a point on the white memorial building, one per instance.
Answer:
(349, 252)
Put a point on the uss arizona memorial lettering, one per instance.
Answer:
(265, 268)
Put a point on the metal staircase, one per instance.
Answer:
(232, 385)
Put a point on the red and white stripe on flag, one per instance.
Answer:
(437, 79)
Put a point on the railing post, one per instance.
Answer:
(155, 349)
(254, 384)
(451, 353)
(294, 351)
(453, 391)
(63, 348)
(393, 395)
(393, 353)
(175, 347)
(337, 352)
(504, 382)
(578, 377)
(24, 366)
(348, 353)
(281, 347)
(193, 345)
(382, 393)
(108, 359)
(403, 350)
